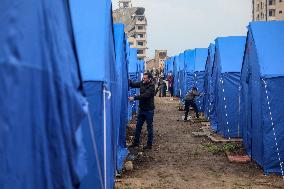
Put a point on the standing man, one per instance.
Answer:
(170, 80)
(189, 102)
(146, 109)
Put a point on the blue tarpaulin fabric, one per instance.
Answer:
(189, 67)
(208, 88)
(182, 83)
(93, 30)
(40, 101)
(169, 66)
(133, 76)
(121, 94)
(195, 61)
(141, 66)
(226, 74)
(262, 84)
(176, 76)
(199, 74)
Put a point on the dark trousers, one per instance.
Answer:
(142, 117)
(188, 104)
(171, 90)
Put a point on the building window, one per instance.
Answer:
(271, 12)
(271, 2)
(280, 12)
(257, 18)
(140, 27)
(139, 36)
(261, 5)
(130, 43)
(140, 43)
(140, 52)
(280, 1)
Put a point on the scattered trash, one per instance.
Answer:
(128, 166)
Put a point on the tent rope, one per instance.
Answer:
(91, 127)
(106, 92)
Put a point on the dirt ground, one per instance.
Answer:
(179, 160)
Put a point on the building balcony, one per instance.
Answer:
(141, 55)
(141, 39)
(140, 31)
(141, 47)
(136, 31)
(142, 22)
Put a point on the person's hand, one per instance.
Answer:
(131, 99)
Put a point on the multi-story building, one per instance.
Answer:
(268, 10)
(135, 23)
(160, 58)
(157, 63)
(150, 64)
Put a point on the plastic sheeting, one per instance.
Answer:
(226, 74)
(176, 76)
(40, 102)
(195, 61)
(134, 76)
(181, 75)
(121, 94)
(208, 88)
(169, 66)
(262, 84)
(93, 30)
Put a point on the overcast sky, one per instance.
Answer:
(177, 25)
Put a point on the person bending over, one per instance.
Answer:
(189, 102)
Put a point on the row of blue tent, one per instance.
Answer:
(242, 81)
(64, 110)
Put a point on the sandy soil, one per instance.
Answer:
(180, 161)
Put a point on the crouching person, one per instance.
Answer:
(189, 102)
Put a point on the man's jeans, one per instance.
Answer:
(188, 104)
(142, 117)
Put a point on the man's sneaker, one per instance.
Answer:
(147, 147)
(134, 145)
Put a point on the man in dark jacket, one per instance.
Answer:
(170, 80)
(146, 109)
(189, 102)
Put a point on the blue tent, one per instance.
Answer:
(176, 75)
(208, 88)
(181, 76)
(189, 67)
(133, 76)
(121, 93)
(169, 66)
(195, 71)
(141, 67)
(199, 74)
(166, 64)
(226, 74)
(128, 64)
(262, 102)
(40, 99)
(93, 30)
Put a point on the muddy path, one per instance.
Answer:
(181, 161)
